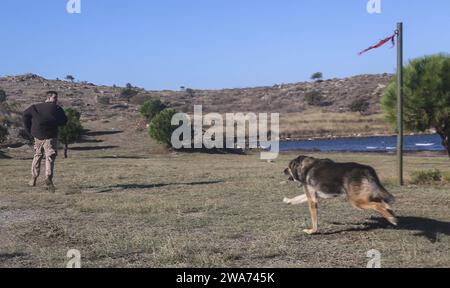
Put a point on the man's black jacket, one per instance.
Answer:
(42, 120)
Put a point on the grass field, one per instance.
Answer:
(122, 209)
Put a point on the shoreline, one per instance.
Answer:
(434, 154)
(351, 137)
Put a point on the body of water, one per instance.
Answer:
(367, 144)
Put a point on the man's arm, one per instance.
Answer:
(62, 118)
(27, 119)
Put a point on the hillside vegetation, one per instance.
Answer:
(331, 112)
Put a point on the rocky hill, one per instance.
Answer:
(101, 103)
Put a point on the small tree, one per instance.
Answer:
(314, 98)
(2, 96)
(190, 92)
(128, 92)
(3, 132)
(317, 76)
(426, 97)
(72, 131)
(359, 105)
(151, 108)
(70, 78)
(161, 128)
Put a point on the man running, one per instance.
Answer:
(42, 122)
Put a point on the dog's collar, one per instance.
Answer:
(299, 183)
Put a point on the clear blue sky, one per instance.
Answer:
(165, 44)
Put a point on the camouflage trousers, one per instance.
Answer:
(47, 148)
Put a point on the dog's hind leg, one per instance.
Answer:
(297, 200)
(380, 208)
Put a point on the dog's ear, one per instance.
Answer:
(304, 167)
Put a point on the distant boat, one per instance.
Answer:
(371, 148)
(424, 144)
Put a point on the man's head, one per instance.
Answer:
(52, 97)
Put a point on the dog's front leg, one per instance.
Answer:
(312, 203)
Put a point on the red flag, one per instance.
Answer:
(381, 43)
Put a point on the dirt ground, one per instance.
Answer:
(124, 201)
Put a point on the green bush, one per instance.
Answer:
(70, 78)
(426, 177)
(2, 96)
(190, 92)
(128, 92)
(447, 177)
(161, 128)
(317, 76)
(151, 108)
(314, 98)
(359, 105)
(72, 131)
(3, 133)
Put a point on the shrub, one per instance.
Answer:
(426, 177)
(2, 96)
(161, 128)
(105, 100)
(359, 105)
(314, 98)
(447, 177)
(70, 78)
(151, 108)
(190, 92)
(72, 131)
(3, 133)
(317, 76)
(128, 93)
(140, 99)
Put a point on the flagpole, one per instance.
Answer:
(400, 102)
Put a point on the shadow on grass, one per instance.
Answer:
(102, 133)
(82, 141)
(212, 151)
(92, 148)
(6, 256)
(3, 156)
(151, 186)
(425, 227)
(122, 157)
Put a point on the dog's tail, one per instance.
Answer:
(380, 193)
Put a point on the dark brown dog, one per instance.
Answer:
(323, 178)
